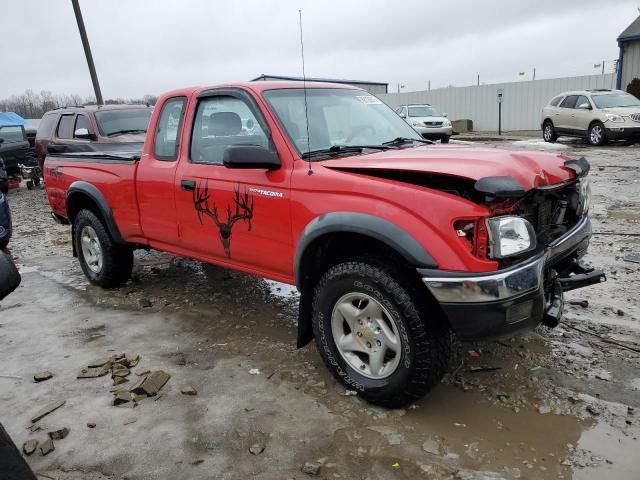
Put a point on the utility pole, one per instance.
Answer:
(429, 85)
(602, 67)
(534, 73)
(478, 79)
(87, 52)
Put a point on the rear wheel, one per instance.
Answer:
(375, 335)
(104, 262)
(548, 132)
(597, 134)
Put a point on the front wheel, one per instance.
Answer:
(548, 132)
(597, 135)
(376, 336)
(104, 262)
(444, 139)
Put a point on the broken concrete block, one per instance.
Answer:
(47, 410)
(34, 428)
(100, 362)
(132, 360)
(311, 468)
(119, 380)
(130, 420)
(122, 397)
(256, 449)
(152, 384)
(59, 434)
(42, 376)
(188, 390)
(29, 447)
(119, 371)
(47, 447)
(94, 372)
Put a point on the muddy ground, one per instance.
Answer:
(562, 403)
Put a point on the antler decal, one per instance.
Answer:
(243, 210)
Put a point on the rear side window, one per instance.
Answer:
(45, 129)
(569, 102)
(65, 127)
(555, 101)
(167, 138)
(12, 134)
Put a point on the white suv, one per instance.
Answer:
(427, 121)
(597, 115)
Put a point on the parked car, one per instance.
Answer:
(391, 242)
(14, 148)
(597, 115)
(6, 227)
(105, 128)
(4, 178)
(427, 121)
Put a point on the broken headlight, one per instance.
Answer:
(584, 197)
(510, 235)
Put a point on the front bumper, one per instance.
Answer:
(622, 132)
(518, 297)
(434, 131)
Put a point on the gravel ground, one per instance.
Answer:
(561, 403)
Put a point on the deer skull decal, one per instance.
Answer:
(243, 210)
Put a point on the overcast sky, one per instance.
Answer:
(150, 46)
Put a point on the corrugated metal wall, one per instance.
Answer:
(631, 63)
(523, 101)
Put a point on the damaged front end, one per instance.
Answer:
(538, 238)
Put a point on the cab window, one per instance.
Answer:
(167, 138)
(569, 101)
(81, 122)
(65, 127)
(555, 101)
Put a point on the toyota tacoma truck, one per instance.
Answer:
(393, 243)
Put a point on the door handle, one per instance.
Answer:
(188, 185)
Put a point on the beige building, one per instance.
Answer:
(629, 59)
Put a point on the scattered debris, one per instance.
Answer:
(151, 385)
(59, 434)
(395, 465)
(580, 303)
(593, 410)
(632, 257)
(29, 447)
(34, 428)
(100, 362)
(13, 377)
(350, 393)
(47, 447)
(535, 368)
(91, 425)
(459, 424)
(254, 371)
(431, 446)
(483, 369)
(94, 372)
(473, 353)
(602, 374)
(47, 410)
(311, 468)
(197, 461)
(130, 420)
(122, 397)
(256, 449)
(544, 409)
(145, 303)
(42, 376)
(188, 390)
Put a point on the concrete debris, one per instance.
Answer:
(94, 372)
(91, 425)
(59, 434)
(119, 371)
(47, 410)
(432, 446)
(145, 303)
(122, 397)
(188, 390)
(42, 376)
(119, 380)
(151, 385)
(593, 410)
(29, 447)
(580, 303)
(132, 360)
(602, 375)
(143, 373)
(256, 449)
(130, 420)
(632, 257)
(544, 409)
(197, 461)
(254, 371)
(311, 468)
(100, 362)
(34, 428)
(47, 447)
(350, 393)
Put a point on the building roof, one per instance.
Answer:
(632, 32)
(322, 80)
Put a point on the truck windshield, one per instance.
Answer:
(613, 101)
(337, 118)
(423, 111)
(117, 122)
(12, 133)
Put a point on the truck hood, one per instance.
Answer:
(529, 169)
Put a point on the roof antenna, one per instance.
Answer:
(304, 87)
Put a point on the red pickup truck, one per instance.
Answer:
(393, 243)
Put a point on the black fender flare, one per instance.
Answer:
(91, 191)
(375, 227)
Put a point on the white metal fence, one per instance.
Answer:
(523, 101)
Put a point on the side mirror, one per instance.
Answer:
(83, 134)
(584, 106)
(444, 114)
(250, 157)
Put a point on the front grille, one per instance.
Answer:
(635, 117)
(433, 124)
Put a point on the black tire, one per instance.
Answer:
(597, 134)
(117, 260)
(445, 139)
(549, 132)
(426, 343)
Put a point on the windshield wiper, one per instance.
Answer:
(396, 142)
(338, 149)
(122, 132)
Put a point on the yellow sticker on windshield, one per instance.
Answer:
(368, 99)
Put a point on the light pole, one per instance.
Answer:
(87, 52)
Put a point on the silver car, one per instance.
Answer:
(427, 121)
